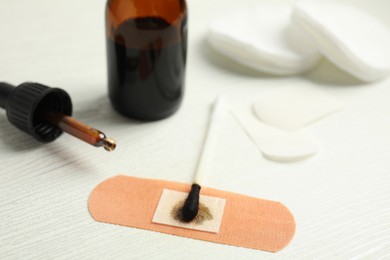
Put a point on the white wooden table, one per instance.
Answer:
(340, 198)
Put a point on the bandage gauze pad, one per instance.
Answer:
(169, 211)
(355, 41)
(246, 221)
(262, 38)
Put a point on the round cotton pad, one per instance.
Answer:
(352, 39)
(263, 39)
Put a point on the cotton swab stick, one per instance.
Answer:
(191, 205)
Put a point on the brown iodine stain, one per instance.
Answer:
(203, 213)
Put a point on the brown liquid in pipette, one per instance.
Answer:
(81, 131)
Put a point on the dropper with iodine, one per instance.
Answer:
(45, 113)
(81, 131)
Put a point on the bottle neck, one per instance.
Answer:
(5, 91)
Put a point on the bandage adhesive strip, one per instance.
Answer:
(246, 222)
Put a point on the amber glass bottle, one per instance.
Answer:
(146, 54)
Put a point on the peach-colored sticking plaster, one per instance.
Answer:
(247, 222)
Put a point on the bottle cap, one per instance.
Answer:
(26, 104)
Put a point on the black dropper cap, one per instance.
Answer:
(26, 104)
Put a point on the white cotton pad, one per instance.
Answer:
(352, 39)
(263, 38)
(295, 108)
(274, 143)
